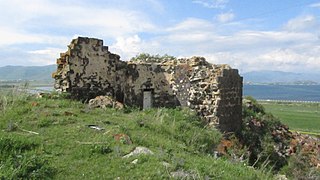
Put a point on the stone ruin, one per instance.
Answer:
(88, 69)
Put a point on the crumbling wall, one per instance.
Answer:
(88, 69)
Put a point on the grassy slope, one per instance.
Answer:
(175, 136)
(298, 116)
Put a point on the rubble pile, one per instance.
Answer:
(306, 146)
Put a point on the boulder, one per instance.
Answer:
(104, 102)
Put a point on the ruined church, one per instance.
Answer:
(88, 69)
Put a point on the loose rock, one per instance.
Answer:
(139, 151)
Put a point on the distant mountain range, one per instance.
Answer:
(279, 77)
(43, 73)
(40, 73)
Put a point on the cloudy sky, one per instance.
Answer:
(248, 34)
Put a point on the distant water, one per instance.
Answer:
(44, 88)
(40, 89)
(283, 92)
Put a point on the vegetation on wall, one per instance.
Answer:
(145, 57)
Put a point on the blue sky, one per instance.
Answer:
(248, 34)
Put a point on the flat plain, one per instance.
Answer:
(304, 117)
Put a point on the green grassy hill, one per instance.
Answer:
(51, 138)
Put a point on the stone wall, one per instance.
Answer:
(88, 69)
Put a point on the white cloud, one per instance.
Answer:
(302, 23)
(127, 47)
(44, 56)
(246, 50)
(53, 52)
(78, 18)
(214, 4)
(10, 36)
(290, 60)
(48, 26)
(52, 24)
(225, 17)
(192, 24)
(315, 5)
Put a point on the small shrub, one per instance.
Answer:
(101, 149)
(251, 108)
(11, 146)
(46, 122)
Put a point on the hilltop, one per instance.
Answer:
(53, 137)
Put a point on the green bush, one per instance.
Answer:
(251, 108)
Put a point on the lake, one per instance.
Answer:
(283, 92)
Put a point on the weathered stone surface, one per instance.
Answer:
(88, 70)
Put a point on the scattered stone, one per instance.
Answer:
(138, 151)
(134, 161)
(181, 174)
(95, 127)
(39, 95)
(308, 147)
(281, 177)
(166, 164)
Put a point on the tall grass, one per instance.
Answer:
(13, 96)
